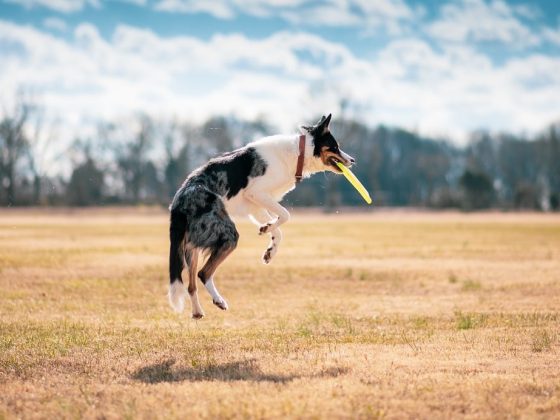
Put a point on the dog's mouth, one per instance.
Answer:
(333, 162)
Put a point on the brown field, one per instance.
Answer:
(387, 315)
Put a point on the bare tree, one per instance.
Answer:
(131, 154)
(176, 164)
(40, 134)
(477, 189)
(13, 147)
(86, 185)
(217, 133)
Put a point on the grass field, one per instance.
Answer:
(387, 315)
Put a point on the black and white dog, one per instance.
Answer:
(249, 181)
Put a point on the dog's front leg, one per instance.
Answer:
(264, 200)
(262, 217)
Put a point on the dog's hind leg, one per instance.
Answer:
(176, 262)
(191, 258)
(262, 217)
(206, 275)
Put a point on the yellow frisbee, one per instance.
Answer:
(355, 182)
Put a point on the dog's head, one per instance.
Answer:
(325, 146)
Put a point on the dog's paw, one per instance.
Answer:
(198, 315)
(268, 254)
(264, 228)
(222, 304)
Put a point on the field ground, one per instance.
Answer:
(389, 315)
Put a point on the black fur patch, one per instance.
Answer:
(322, 136)
(207, 224)
(237, 167)
(176, 235)
(198, 201)
(229, 173)
(322, 140)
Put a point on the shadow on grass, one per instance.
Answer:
(245, 370)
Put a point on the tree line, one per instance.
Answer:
(144, 160)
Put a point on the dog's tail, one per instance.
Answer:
(177, 231)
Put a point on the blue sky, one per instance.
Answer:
(443, 68)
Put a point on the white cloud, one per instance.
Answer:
(217, 8)
(288, 77)
(460, 90)
(55, 24)
(528, 11)
(69, 6)
(478, 20)
(91, 78)
(551, 35)
(136, 2)
(367, 14)
(64, 6)
(324, 15)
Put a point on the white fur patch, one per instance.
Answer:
(216, 297)
(212, 289)
(196, 308)
(346, 156)
(177, 296)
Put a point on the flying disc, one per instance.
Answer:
(354, 181)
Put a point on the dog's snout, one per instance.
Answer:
(345, 159)
(349, 160)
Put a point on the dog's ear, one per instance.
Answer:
(323, 125)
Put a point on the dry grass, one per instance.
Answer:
(390, 315)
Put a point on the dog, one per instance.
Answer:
(249, 181)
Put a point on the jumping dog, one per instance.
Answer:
(249, 181)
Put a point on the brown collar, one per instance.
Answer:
(299, 168)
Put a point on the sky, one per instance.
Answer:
(441, 68)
